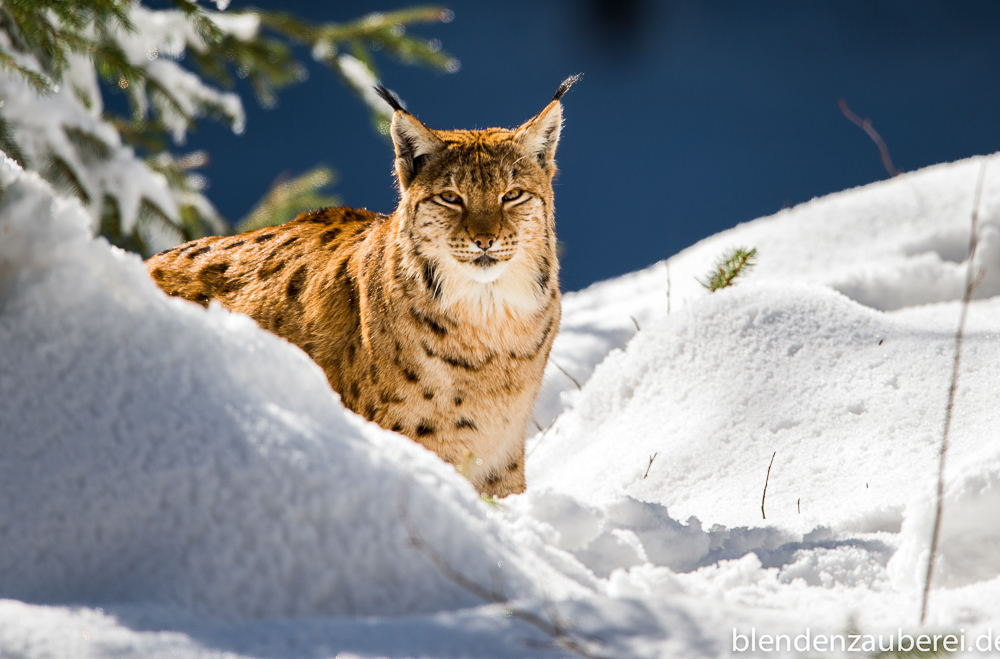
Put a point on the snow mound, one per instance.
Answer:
(156, 453)
(833, 358)
(890, 245)
(847, 400)
(719, 387)
(970, 539)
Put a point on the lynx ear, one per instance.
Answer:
(539, 136)
(415, 143)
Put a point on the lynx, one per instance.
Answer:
(435, 321)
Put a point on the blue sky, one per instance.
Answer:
(691, 118)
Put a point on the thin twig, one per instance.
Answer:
(554, 628)
(651, 458)
(452, 575)
(537, 425)
(542, 436)
(971, 280)
(798, 505)
(567, 374)
(866, 125)
(765, 485)
(637, 328)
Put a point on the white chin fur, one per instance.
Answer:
(485, 275)
(507, 286)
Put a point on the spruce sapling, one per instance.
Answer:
(738, 262)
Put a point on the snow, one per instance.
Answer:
(154, 452)
(734, 376)
(361, 79)
(162, 37)
(43, 124)
(176, 482)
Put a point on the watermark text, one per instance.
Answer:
(752, 641)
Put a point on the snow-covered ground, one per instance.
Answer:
(175, 482)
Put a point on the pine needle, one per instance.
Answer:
(286, 199)
(10, 146)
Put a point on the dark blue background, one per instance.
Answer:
(691, 117)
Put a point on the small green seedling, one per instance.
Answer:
(738, 262)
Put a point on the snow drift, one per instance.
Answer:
(849, 400)
(193, 474)
(801, 372)
(155, 452)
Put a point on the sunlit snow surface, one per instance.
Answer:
(179, 483)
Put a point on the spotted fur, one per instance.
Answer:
(435, 321)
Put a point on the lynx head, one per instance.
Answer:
(477, 206)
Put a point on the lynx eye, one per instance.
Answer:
(450, 198)
(513, 194)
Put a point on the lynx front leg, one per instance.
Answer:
(504, 480)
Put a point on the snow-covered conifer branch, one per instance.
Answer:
(53, 56)
(361, 39)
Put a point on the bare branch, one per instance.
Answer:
(866, 125)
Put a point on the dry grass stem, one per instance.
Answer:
(763, 498)
(542, 436)
(568, 375)
(971, 281)
(651, 458)
(553, 627)
(668, 287)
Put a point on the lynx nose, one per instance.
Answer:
(484, 240)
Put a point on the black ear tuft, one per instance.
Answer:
(393, 100)
(566, 84)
